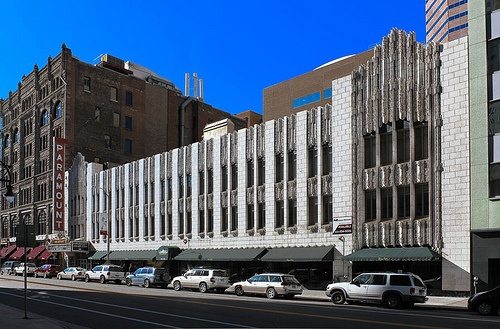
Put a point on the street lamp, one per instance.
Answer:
(341, 238)
(107, 203)
(6, 177)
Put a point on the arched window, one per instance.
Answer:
(16, 135)
(58, 110)
(42, 222)
(45, 118)
(6, 141)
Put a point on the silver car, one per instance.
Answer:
(73, 273)
(269, 284)
(149, 276)
(203, 280)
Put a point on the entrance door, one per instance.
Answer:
(493, 272)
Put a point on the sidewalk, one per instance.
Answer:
(452, 303)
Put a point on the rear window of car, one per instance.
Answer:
(115, 269)
(220, 273)
(400, 280)
(418, 282)
(290, 279)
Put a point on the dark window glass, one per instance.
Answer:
(385, 144)
(495, 180)
(201, 221)
(86, 84)
(327, 209)
(279, 163)
(262, 215)
(327, 159)
(169, 188)
(202, 182)
(128, 146)
(224, 178)
(400, 280)
(250, 179)
(280, 214)
(379, 280)
(403, 202)
(189, 222)
(421, 149)
(421, 200)
(386, 200)
(210, 183)
(250, 216)
(403, 132)
(370, 205)
(312, 217)
(128, 123)
(188, 185)
(181, 186)
(128, 98)
(223, 219)
(181, 223)
(234, 218)
(292, 212)
(370, 151)
(313, 161)
(234, 177)
(292, 165)
(113, 94)
(261, 172)
(58, 110)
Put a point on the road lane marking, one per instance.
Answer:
(97, 312)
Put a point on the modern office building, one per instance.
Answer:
(379, 176)
(112, 113)
(446, 20)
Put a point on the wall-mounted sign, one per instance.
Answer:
(58, 181)
(103, 223)
(342, 225)
(79, 246)
(59, 247)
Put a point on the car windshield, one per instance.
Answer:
(290, 279)
(220, 273)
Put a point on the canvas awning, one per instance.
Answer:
(45, 255)
(300, 254)
(133, 254)
(6, 251)
(35, 252)
(97, 255)
(393, 254)
(222, 255)
(19, 253)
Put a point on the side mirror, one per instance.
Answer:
(249, 281)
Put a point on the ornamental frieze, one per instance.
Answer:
(201, 202)
(326, 125)
(311, 127)
(188, 159)
(421, 171)
(234, 198)
(224, 198)
(327, 184)
(234, 147)
(279, 191)
(402, 174)
(370, 179)
(250, 143)
(291, 126)
(312, 186)
(291, 189)
(279, 135)
(386, 176)
(261, 194)
(250, 194)
(201, 156)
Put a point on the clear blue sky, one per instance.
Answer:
(237, 47)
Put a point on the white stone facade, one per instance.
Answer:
(456, 163)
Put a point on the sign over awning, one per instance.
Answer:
(393, 254)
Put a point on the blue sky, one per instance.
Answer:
(238, 48)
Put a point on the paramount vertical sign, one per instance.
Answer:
(58, 181)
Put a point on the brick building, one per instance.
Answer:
(112, 113)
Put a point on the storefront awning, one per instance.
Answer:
(6, 251)
(300, 254)
(98, 255)
(45, 255)
(221, 255)
(19, 253)
(393, 254)
(132, 254)
(35, 252)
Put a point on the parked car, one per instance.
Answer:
(203, 280)
(73, 273)
(149, 276)
(391, 289)
(47, 271)
(30, 269)
(105, 273)
(269, 284)
(8, 267)
(486, 302)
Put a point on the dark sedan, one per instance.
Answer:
(486, 302)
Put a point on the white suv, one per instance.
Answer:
(105, 273)
(203, 280)
(391, 289)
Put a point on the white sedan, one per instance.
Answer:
(73, 273)
(30, 269)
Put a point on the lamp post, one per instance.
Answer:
(6, 177)
(341, 238)
(108, 222)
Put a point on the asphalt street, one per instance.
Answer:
(94, 305)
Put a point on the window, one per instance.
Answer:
(385, 144)
(116, 120)
(234, 218)
(128, 146)
(58, 110)
(279, 163)
(386, 206)
(370, 151)
(86, 84)
(370, 205)
(201, 221)
(44, 120)
(307, 99)
(16, 135)
(210, 178)
(403, 132)
(224, 178)
(494, 149)
(327, 209)
(250, 179)
(327, 93)
(261, 172)
(107, 141)
(202, 182)
(312, 205)
(181, 223)
(280, 214)
(421, 200)
(403, 202)
(313, 162)
(128, 123)
(262, 215)
(400, 280)
(188, 185)
(169, 188)
(210, 220)
(6, 141)
(128, 98)
(292, 165)
(113, 94)
(250, 216)
(234, 177)
(327, 159)
(224, 215)
(97, 114)
(181, 186)
(421, 141)
(292, 212)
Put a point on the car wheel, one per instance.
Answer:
(128, 282)
(203, 287)
(59, 277)
(102, 279)
(484, 308)
(177, 286)
(73, 278)
(338, 297)
(393, 301)
(238, 290)
(87, 278)
(146, 284)
(271, 293)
